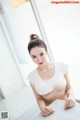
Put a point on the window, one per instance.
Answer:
(20, 23)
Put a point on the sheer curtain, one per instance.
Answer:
(20, 22)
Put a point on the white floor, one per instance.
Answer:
(21, 106)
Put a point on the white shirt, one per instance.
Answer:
(45, 86)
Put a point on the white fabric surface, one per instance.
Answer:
(61, 113)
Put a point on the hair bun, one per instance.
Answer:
(34, 37)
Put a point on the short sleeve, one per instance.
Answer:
(64, 68)
(31, 78)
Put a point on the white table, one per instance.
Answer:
(61, 113)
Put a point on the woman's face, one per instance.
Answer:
(38, 55)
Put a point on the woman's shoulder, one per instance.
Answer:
(31, 76)
(32, 73)
(62, 67)
(60, 64)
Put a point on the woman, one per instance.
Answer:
(49, 81)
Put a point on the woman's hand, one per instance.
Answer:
(69, 103)
(45, 111)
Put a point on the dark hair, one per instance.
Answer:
(34, 36)
(36, 43)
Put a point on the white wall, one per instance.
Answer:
(10, 79)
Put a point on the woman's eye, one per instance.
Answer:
(41, 54)
(33, 56)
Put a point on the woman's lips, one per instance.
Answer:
(40, 63)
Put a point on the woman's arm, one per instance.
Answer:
(70, 102)
(69, 91)
(39, 99)
(45, 110)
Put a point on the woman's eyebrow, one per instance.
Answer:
(41, 52)
(33, 55)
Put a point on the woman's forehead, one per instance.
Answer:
(37, 50)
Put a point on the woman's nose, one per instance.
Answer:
(39, 59)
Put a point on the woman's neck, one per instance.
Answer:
(46, 66)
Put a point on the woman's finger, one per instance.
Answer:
(71, 103)
(67, 104)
